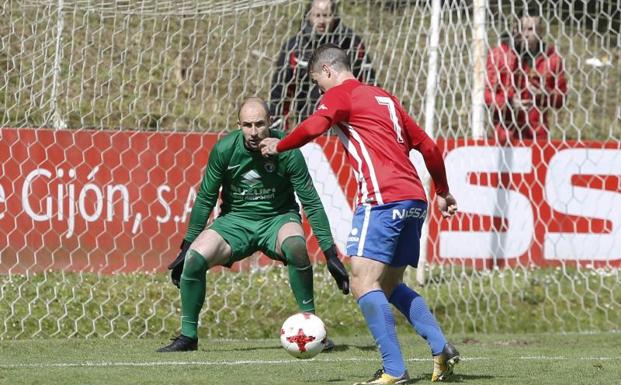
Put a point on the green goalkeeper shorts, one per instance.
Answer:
(246, 236)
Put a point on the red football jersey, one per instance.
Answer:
(378, 135)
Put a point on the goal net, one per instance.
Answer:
(110, 109)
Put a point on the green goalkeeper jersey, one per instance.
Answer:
(256, 187)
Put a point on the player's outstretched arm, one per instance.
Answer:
(435, 165)
(207, 195)
(432, 155)
(203, 205)
(308, 130)
(434, 162)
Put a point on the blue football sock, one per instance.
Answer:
(414, 308)
(381, 323)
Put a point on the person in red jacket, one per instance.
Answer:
(525, 78)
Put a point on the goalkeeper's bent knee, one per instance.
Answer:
(294, 250)
(195, 265)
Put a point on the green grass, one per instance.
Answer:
(491, 359)
(56, 305)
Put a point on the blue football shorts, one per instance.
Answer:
(388, 233)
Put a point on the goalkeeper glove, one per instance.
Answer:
(176, 266)
(336, 268)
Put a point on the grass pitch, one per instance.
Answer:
(487, 359)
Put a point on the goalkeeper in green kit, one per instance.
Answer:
(258, 213)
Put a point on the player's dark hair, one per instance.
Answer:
(330, 54)
(255, 99)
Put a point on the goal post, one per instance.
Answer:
(430, 106)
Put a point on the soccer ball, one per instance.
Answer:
(303, 335)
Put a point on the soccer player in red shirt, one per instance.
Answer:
(385, 238)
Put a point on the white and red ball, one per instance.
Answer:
(303, 335)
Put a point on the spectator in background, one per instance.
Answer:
(525, 78)
(293, 96)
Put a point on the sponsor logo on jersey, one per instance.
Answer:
(322, 107)
(251, 177)
(352, 235)
(254, 194)
(232, 167)
(414, 212)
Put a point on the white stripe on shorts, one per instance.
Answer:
(365, 226)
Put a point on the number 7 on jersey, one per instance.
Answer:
(392, 111)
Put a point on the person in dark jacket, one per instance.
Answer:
(293, 95)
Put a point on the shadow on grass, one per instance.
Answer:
(344, 347)
(247, 349)
(337, 348)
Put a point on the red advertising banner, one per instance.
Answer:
(531, 204)
(96, 200)
(119, 201)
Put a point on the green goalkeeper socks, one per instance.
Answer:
(300, 272)
(193, 285)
